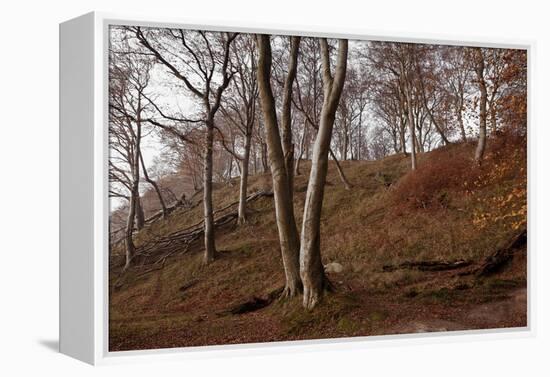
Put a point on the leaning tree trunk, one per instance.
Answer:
(480, 67)
(311, 267)
(244, 180)
(341, 174)
(284, 209)
(209, 243)
(155, 187)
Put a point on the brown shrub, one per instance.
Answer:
(451, 169)
(441, 172)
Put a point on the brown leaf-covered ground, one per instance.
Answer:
(389, 217)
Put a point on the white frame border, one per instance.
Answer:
(101, 202)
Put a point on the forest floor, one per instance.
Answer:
(447, 211)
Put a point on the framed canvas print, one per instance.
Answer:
(233, 188)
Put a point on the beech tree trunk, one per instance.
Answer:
(480, 68)
(284, 209)
(311, 267)
(301, 153)
(209, 243)
(134, 209)
(286, 119)
(130, 247)
(265, 165)
(140, 216)
(461, 122)
(244, 180)
(411, 126)
(493, 121)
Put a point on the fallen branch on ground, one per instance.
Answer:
(428, 265)
(153, 254)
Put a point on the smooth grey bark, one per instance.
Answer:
(242, 218)
(209, 237)
(286, 125)
(284, 209)
(264, 158)
(130, 247)
(411, 129)
(302, 148)
(311, 267)
(479, 69)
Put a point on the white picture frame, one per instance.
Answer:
(84, 202)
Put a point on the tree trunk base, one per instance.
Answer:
(209, 259)
(314, 296)
(289, 292)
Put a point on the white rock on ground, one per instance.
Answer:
(333, 268)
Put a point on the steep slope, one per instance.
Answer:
(410, 243)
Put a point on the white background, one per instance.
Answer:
(29, 184)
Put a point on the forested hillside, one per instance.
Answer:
(403, 254)
(269, 187)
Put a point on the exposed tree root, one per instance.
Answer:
(287, 293)
(428, 265)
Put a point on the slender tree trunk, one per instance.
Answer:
(360, 136)
(255, 159)
(209, 240)
(134, 206)
(302, 147)
(346, 141)
(402, 136)
(411, 126)
(155, 187)
(265, 165)
(244, 180)
(341, 174)
(230, 168)
(461, 122)
(311, 267)
(130, 247)
(286, 119)
(284, 209)
(480, 67)
(493, 112)
(140, 215)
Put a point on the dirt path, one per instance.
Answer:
(484, 316)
